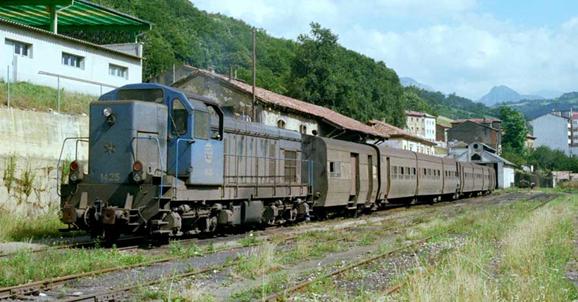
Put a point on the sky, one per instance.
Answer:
(461, 46)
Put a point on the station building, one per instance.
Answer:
(272, 109)
(33, 48)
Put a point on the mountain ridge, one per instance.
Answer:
(504, 94)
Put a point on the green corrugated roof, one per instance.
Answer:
(72, 15)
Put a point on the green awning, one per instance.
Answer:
(70, 15)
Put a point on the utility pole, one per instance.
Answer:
(253, 119)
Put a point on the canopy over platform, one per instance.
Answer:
(69, 15)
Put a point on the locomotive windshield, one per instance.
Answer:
(146, 95)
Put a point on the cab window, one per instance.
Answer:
(201, 125)
(180, 118)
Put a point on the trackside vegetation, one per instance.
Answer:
(513, 252)
(29, 96)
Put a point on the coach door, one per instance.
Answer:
(354, 185)
(369, 177)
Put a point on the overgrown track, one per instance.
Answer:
(302, 285)
(283, 295)
(27, 290)
(127, 243)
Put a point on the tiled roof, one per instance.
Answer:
(417, 113)
(477, 120)
(394, 131)
(276, 99)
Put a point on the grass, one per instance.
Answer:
(177, 249)
(21, 228)
(249, 240)
(26, 266)
(29, 96)
(507, 252)
(511, 254)
(260, 260)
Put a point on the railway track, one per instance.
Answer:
(283, 295)
(26, 290)
(123, 244)
(288, 292)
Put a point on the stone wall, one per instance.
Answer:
(29, 151)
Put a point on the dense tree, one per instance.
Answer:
(452, 105)
(547, 159)
(314, 74)
(514, 130)
(325, 73)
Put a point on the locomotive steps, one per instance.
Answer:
(265, 264)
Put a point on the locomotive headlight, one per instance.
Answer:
(137, 172)
(107, 112)
(76, 172)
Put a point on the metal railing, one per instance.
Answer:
(46, 91)
(58, 165)
(161, 156)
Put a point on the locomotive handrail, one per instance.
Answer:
(58, 171)
(159, 151)
(180, 139)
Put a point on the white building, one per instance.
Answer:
(402, 139)
(553, 131)
(480, 153)
(421, 124)
(35, 55)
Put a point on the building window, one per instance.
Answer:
(303, 129)
(20, 48)
(281, 124)
(118, 71)
(72, 60)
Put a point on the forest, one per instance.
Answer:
(315, 67)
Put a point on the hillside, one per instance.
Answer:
(314, 68)
(504, 94)
(407, 82)
(452, 106)
(534, 108)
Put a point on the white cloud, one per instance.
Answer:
(469, 60)
(447, 44)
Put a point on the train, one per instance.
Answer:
(165, 163)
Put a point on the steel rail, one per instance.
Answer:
(281, 295)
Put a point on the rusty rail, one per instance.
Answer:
(300, 286)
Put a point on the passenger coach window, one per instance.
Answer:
(334, 169)
(201, 125)
(180, 118)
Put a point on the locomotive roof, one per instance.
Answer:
(197, 102)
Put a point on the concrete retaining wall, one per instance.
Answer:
(31, 143)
